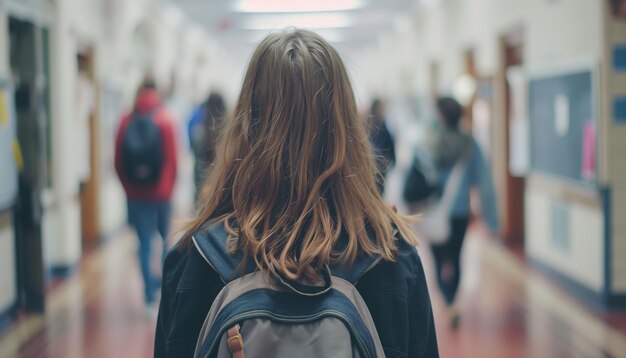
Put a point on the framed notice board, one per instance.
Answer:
(8, 147)
(563, 123)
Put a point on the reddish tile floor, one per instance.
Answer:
(507, 311)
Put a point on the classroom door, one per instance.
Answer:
(88, 163)
(28, 60)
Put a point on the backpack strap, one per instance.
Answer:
(148, 115)
(211, 242)
(453, 184)
(235, 342)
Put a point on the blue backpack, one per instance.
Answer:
(256, 316)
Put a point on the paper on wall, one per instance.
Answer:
(519, 149)
(4, 110)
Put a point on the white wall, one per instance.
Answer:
(63, 243)
(583, 260)
(554, 31)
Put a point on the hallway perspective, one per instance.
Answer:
(507, 310)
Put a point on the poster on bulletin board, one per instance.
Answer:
(10, 155)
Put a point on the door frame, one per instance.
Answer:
(469, 59)
(511, 47)
(90, 190)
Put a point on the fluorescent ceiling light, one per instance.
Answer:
(282, 6)
(326, 20)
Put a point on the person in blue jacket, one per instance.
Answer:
(450, 146)
(203, 130)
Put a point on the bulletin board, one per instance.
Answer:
(8, 147)
(563, 123)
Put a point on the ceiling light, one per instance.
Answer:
(282, 6)
(464, 89)
(327, 20)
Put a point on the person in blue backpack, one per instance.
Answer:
(294, 253)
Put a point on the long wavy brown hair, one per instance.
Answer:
(294, 171)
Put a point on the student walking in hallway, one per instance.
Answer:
(291, 208)
(145, 161)
(457, 154)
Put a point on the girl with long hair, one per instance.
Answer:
(293, 185)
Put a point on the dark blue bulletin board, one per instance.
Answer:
(556, 146)
(8, 166)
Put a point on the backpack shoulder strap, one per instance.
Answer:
(453, 184)
(211, 242)
(149, 115)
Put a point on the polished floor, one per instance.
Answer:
(507, 311)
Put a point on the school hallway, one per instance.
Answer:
(507, 310)
(536, 120)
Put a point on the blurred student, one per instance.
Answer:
(451, 148)
(204, 126)
(145, 161)
(291, 200)
(382, 141)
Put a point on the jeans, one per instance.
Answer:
(147, 218)
(448, 259)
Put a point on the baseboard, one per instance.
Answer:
(599, 301)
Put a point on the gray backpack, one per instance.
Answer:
(252, 317)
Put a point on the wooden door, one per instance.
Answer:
(90, 184)
(512, 46)
(470, 70)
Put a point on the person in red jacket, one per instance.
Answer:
(149, 208)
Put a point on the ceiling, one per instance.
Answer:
(350, 25)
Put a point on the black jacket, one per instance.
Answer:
(395, 293)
